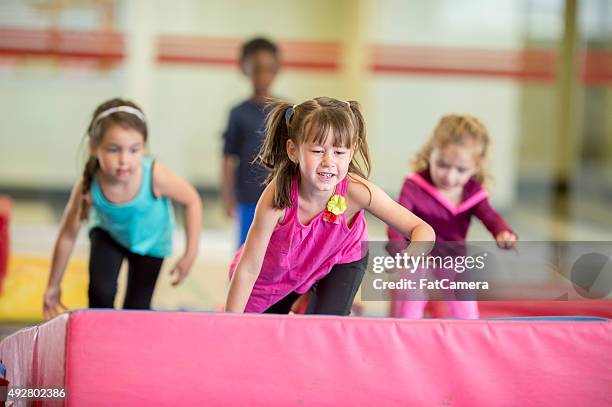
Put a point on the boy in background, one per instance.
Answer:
(242, 180)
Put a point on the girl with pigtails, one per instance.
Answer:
(309, 223)
(126, 196)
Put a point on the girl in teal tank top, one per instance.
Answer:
(149, 235)
(127, 199)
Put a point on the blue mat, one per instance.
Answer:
(554, 318)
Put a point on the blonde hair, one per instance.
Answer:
(311, 121)
(461, 129)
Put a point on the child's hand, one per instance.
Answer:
(229, 206)
(52, 302)
(506, 240)
(230, 211)
(181, 269)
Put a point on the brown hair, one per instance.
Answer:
(464, 130)
(95, 132)
(311, 121)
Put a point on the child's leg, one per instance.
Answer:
(283, 306)
(407, 309)
(142, 277)
(246, 213)
(461, 303)
(105, 260)
(334, 293)
(463, 309)
(409, 303)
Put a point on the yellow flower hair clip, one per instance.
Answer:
(336, 206)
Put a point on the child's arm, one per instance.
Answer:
(397, 241)
(166, 183)
(232, 140)
(364, 194)
(69, 230)
(495, 223)
(253, 252)
(228, 170)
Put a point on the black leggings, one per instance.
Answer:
(331, 295)
(105, 260)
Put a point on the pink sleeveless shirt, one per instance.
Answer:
(299, 255)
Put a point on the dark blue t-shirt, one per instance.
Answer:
(243, 138)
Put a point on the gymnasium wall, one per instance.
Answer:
(409, 62)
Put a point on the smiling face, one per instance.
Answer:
(322, 165)
(452, 166)
(119, 153)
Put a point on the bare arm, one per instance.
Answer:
(397, 241)
(166, 183)
(365, 195)
(249, 266)
(69, 230)
(228, 170)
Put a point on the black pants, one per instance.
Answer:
(331, 295)
(105, 261)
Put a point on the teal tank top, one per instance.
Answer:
(143, 225)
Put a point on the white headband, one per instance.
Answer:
(126, 109)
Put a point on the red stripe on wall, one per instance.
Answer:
(515, 64)
(307, 55)
(90, 45)
(597, 68)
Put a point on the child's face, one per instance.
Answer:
(261, 68)
(321, 166)
(452, 166)
(119, 152)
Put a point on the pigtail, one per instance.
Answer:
(421, 160)
(361, 143)
(480, 135)
(273, 153)
(88, 174)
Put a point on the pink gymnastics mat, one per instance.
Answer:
(134, 358)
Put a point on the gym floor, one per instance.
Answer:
(35, 223)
